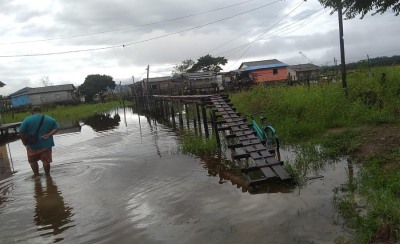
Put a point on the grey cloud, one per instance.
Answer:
(319, 40)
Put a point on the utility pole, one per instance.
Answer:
(120, 93)
(369, 67)
(133, 90)
(342, 56)
(147, 81)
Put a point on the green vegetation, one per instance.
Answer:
(376, 216)
(63, 113)
(96, 84)
(326, 124)
(301, 112)
(199, 145)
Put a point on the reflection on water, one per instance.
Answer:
(6, 166)
(102, 122)
(65, 127)
(229, 172)
(307, 161)
(51, 213)
(130, 184)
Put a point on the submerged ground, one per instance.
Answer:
(125, 180)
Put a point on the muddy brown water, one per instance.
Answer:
(126, 182)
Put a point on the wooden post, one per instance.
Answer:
(198, 115)
(187, 116)
(165, 108)
(194, 119)
(204, 113)
(173, 113)
(215, 126)
(180, 114)
(342, 54)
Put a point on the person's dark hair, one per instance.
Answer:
(36, 109)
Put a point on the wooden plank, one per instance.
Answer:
(268, 172)
(253, 147)
(263, 163)
(10, 125)
(240, 156)
(281, 172)
(266, 153)
(224, 128)
(250, 141)
(244, 133)
(246, 137)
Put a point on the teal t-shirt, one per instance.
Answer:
(30, 125)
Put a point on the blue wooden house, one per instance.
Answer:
(44, 95)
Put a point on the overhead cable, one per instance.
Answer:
(142, 41)
(129, 27)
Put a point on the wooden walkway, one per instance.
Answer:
(247, 149)
(257, 164)
(5, 128)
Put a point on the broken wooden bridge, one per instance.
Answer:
(257, 163)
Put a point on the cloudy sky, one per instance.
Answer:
(63, 41)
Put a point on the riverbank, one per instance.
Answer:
(69, 112)
(370, 201)
(360, 124)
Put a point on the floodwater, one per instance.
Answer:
(121, 178)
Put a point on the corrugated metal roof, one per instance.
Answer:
(36, 90)
(304, 67)
(265, 66)
(45, 89)
(158, 79)
(262, 64)
(22, 91)
(200, 75)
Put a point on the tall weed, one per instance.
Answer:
(299, 112)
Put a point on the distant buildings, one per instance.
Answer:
(44, 95)
(304, 73)
(264, 70)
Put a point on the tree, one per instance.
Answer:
(46, 80)
(96, 84)
(352, 8)
(183, 67)
(208, 63)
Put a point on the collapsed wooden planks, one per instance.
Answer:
(4, 128)
(243, 143)
(247, 145)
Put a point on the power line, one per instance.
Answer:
(130, 27)
(289, 28)
(142, 41)
(243, 46)
(286, 28)
(260, 36)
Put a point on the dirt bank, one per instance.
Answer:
(379, 140)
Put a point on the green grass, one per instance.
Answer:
(301, 112)
(199, 145)
(64, 113)
(325, 123)
(380, 191)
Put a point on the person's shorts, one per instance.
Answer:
(44, 155)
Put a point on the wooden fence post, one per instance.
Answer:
(204, 113)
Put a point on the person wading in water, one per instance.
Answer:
(36, 133)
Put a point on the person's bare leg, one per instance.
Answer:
(46, 167)
(35, 168)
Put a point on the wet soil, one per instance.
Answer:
(379, 140)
